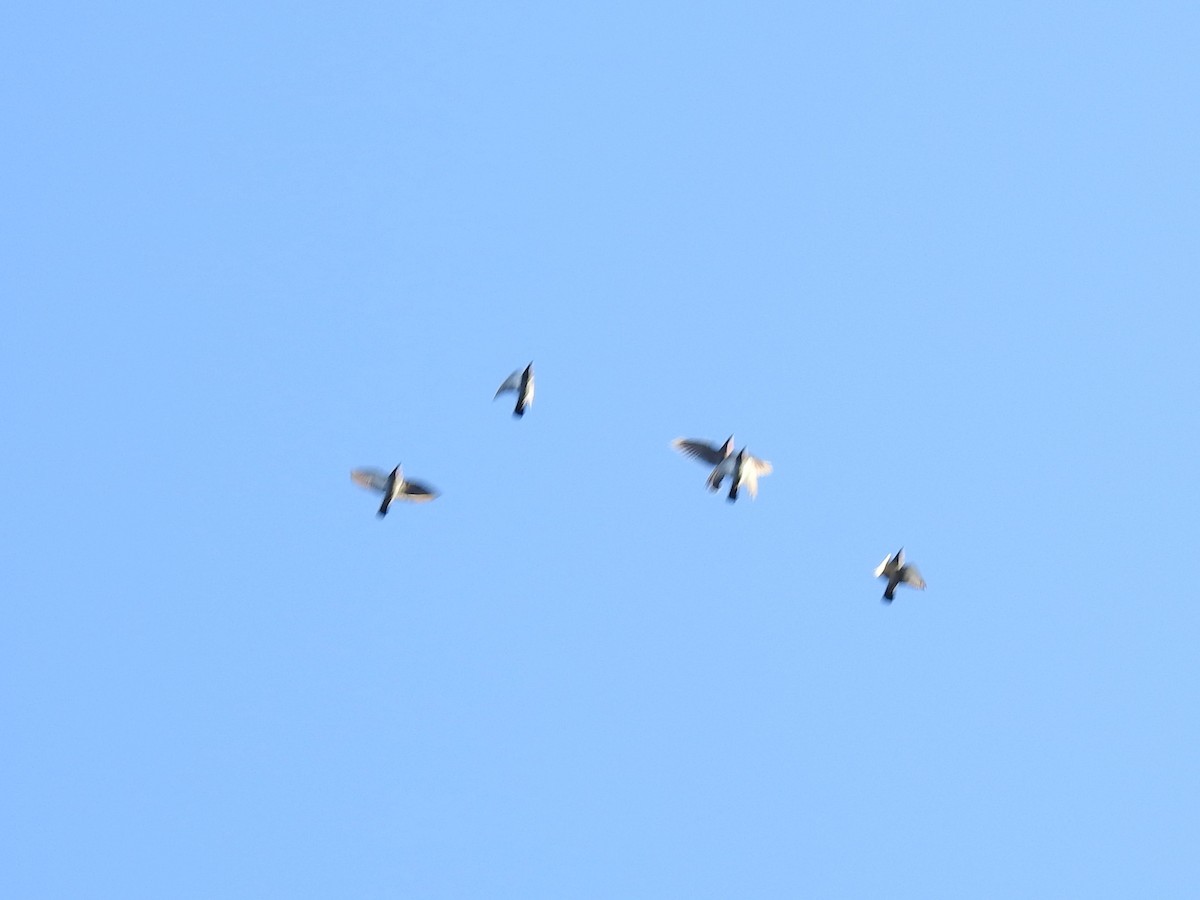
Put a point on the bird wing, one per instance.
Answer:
(511, 383)
(759, 466)
(701, 450)
(717, 475)
(752, 468)
(370, 478)
(882, 567)
(416, 492)
(910, 575)
(750, 480)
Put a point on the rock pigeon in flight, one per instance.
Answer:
(393, 485)
(521, 383)
(896, 572)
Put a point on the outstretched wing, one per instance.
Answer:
(370, 478)
(752, 468)
(701, 450)
(511, 383)
(910, 575)
(416, 492)
(760, 466)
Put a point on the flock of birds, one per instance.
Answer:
(741, 468)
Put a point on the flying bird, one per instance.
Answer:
(704, 451)
(896, 572)
(521, 383)
(742, 470)
(393, 485)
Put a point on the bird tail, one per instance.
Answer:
(518, 411)
(733, 492)
(383, 507)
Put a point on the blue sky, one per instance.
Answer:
(937, 263)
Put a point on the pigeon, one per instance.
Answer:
(896, 572)
(393, 485)
(743, 470)
(519, 382)
(704, 451)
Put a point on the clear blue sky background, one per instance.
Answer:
(937, 262)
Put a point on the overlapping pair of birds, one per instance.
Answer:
(742, 470)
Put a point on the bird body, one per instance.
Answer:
(521, 383)
(893, 568)
(394, 486)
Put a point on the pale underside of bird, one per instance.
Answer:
(703, 451)
(894, 569)
(742, 470)
(394, 487)
(519, 382)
